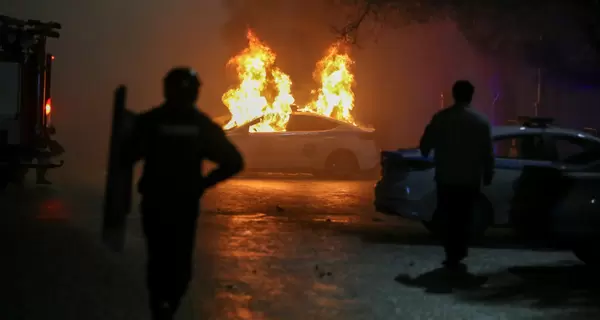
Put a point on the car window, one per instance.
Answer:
(309, 123)
(575, 150)
(566, 148)
(526, 147)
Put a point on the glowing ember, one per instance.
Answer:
(265, 90)
(335, 98)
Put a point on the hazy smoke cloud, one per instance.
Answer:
(105, 43)
(298, 31)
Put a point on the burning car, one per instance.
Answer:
(546, 184)
(311, 143)
(275, 134)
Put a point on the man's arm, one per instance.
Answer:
(222, 152)
(429, 136)
(489, 158)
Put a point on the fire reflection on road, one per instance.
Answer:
(263, 266)
(297, 197)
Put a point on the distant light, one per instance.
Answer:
(580, 135)
(52, 57)
(593, 201)
(522, 128)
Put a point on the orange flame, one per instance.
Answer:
(335, 97)
(266, 91)
(256, 72)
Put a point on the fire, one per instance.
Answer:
(258, 74)
(335, 97)
(264, 90)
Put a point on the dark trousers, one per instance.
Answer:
(169, 225)
(454, 215)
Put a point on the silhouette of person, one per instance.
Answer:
(464, 160)
(173, 140)
(55, 150)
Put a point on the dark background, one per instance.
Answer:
(400, 73)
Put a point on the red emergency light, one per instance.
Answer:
(48, 107)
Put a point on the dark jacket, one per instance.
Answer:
(174, 142)
(461, 139)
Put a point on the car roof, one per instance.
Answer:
(340, 122)
(316, 115)
(498, 131)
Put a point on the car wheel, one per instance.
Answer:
(588, 254)
(483, 218)
(341, 164)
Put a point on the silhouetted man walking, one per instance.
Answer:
(174, 139)
(464, 160)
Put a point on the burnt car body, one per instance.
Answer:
(311, 143)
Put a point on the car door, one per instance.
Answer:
(245, 144)
(576, 210)
(513, 152)
(252, 145)
(284, 149)
(573, 149)
(309, 139)
(266, 150)
(272, 151)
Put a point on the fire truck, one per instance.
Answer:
(25, 98)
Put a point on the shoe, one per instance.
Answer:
(454, 265)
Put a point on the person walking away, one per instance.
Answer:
(464, 161)
(173, 140)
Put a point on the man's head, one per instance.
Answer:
(182, 86)
(462, 92)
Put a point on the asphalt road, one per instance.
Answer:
(273, 249)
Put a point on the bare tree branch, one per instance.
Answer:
(349, 33)
(569, 30)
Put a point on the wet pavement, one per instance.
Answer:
(274, 249)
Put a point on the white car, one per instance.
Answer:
(407, 186)
(311, 143)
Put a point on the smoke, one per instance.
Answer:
(399, 75)
(299, 32)
(111, 42)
